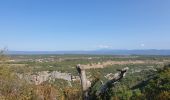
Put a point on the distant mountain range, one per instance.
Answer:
(96, 52)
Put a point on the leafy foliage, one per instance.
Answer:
(159, 87)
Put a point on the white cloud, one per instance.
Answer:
(105, 46)
(142, 45)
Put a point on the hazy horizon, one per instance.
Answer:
(98, 49)
(41, 25)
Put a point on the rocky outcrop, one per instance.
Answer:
(39, 77)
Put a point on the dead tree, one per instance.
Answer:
(86, 84)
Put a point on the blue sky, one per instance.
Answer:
(50, 25)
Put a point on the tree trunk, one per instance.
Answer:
(84, 82)
(87, 84)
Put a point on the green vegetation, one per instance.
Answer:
(158, 88)
(144, 81)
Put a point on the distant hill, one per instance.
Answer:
(96, 52)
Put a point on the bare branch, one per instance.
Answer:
(109, 84)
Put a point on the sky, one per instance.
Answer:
(56, 25)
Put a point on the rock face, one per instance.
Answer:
(43, 76)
